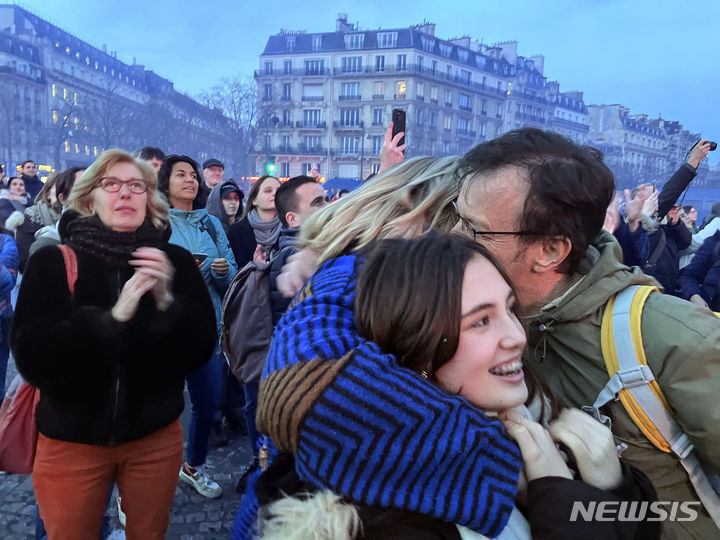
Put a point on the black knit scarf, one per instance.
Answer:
(89, 235)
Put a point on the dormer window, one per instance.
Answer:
(387, 39)
(354, 41)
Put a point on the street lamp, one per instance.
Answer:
(362, 147)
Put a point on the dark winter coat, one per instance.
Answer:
(667, 268)
(243, 243)
(278, 301)
(101, 381)
(702, 275)
(33, 185)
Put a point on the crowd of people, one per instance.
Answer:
(439, 355)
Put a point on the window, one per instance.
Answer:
(428, 44)
(285, 143)
(287, 67)
(286, 91)
(433, 94)
(464, 102)
(54, 90)
(386, 39)
(55, 117)
(462, 125)
(352, 64)
(306, 167)
(285, 169)
(377, 142)
(317, 43)
(402, 62)
(379, 92)
(268, 68)
(312, 142)
(400, 89)
(464, 76)
(65, 93)
(349, 145)
(483, 128)
(420, 61)
(448, 72)
(484, 106)
(354, 41)
(285, 117)
(420, 90)
(267, 95)
(349, 117)
(350, 90)
(380, 64)
(419, 117)
(375, 168)
(314, 67)
(66, 144)
(448, 98)
(434, 67)
(312, 92)
(290, 43)
(432, 120)
(447, 122)
(377, 116)
(311, 117)
(445, 49)
(463, 55)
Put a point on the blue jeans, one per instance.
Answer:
(251, 401)
(205, 388)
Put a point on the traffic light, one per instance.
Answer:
(270, 166)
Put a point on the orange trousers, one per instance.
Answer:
(71, 482)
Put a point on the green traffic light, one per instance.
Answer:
(270, 168)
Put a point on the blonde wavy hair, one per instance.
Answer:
(405, 201)
(80, 197)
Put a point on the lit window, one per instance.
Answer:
(401, 89)
(76, 121)
(95, 151)
(54, 90)
(54, 117)
(67, 50)
(77, 148)
(67, 146)
(75, 98)
(65, 93)
(87, 150)
(77, 55)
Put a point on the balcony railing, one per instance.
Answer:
(286, 98)
(378, 96)
(353, 97)
(346, 126)
(310, 125)
(400, 96)
(312, 98)
(466, 108)
(420, 98)
(298, 72)
(466, 133)
(529, 117)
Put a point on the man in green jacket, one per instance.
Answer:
(538, 202)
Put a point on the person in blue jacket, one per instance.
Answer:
(8, 277)
(203, 235)
(700, 280)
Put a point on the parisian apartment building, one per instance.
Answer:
(63, 101)
(325, 99)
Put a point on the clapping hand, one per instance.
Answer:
(154, 264)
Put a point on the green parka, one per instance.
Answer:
(682, 346)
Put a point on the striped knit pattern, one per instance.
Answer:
(373, 431)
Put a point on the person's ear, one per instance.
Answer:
(292, 219)
(550, 254)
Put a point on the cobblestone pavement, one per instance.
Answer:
(193, 516)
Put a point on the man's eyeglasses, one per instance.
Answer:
(470, 229)
(113, 185)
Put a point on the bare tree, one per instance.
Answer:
(236, 97)
(61, 128)
(112, 116)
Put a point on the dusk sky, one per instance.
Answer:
(656, 57)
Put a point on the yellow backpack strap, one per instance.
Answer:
(632, 381)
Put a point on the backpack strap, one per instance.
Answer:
(71, 266)
(632, 381)
(652, 261)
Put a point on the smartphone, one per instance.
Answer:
(200, 257)
(398, 120)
